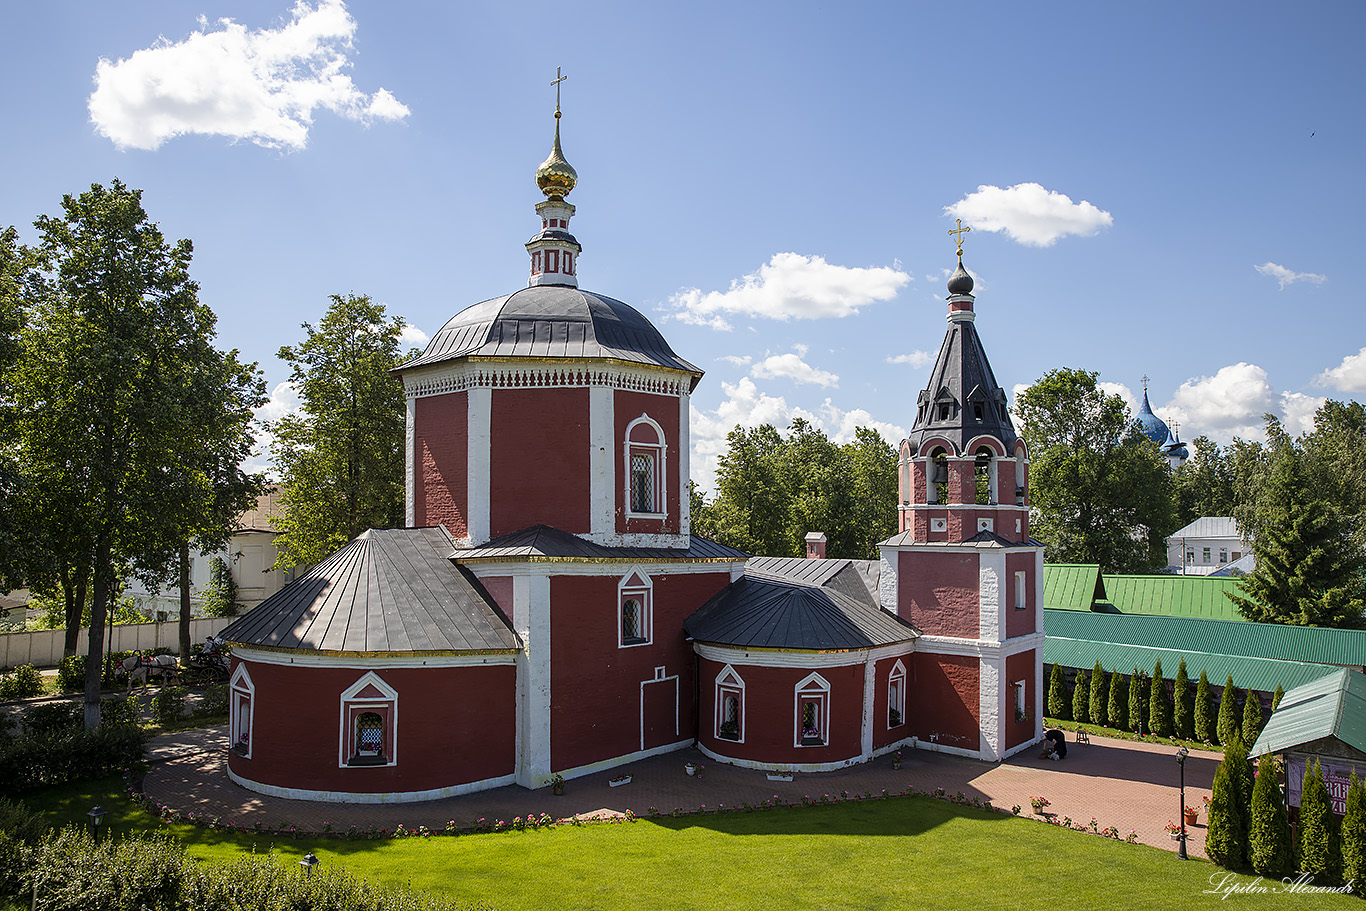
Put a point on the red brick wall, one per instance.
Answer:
(771, 714)
(500, 588)
(946, 693)
(882, 735)
(595, 686)
(1020, 622)
(1019, 667)
(663, 410)
(938, 593)
(440, 457)
(441, 741)
(539, 460)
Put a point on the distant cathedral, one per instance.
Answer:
(1155, 429)
(546, 610)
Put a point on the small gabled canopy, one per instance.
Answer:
(542, 542)
(764, 611)
(388, 591)
(1330, 708)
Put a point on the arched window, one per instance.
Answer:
(896, 695)
(730, 705)
(939, 476)
(645, 488)
(813, 712)
(982, 476)
(369, 718)
(634, 609)
(241, 697)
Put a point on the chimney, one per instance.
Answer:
(815, 545)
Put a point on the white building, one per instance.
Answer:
(1205, 546)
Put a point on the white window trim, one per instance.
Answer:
(242, 683)
(729, 683)
(896, 693)
(657, 451)
(1021, 591)
(812, 688)
(349, 702)
(1020, 707)
(643, 591)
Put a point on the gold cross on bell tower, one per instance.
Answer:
(958, 235)
(558, 79)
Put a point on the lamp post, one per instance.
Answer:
(96, 814)
(309, 862)
(1181, 755)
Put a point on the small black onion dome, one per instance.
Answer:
(960, 282)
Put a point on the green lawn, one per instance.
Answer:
(876, 854)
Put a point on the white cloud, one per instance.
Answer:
(1029, 214)
(736, 359)
(794, 368)
(1349, 376)
(1287, 277)
(412, 337)
(1124, 392)
(284, 400)
(1230, 403)
(1297, 411)
(915, 358)
(791, 286)
(846, 422)
(261, 85)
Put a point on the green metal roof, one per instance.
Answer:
(1203, 597)
(1263, 674)
(1071, 586)
(1332, 706)
(1345, 647)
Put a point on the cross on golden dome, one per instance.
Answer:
(958, 235)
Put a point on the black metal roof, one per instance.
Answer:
(982, 539)
(541, 542)
(553, 321)
(962, 379)
(389, 590)
(760, 611)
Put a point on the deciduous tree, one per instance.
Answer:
(339, 458)
(1101, 490)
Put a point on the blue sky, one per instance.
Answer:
(1170, 189)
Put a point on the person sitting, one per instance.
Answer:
(1054, 745)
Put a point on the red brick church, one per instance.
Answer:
(547, 611)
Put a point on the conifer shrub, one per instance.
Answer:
(1159, 706)
(1098, 696)
(1228, 713)
(1136, 700)
(1081, 699)
(1319, 854)
(1276, 698)
(1203, 711)
(1268, 838)
(1240, 772)
(1225, 837)
(1183, 720)
(1059, 706)
(1252, 717)
(1353, 834)
(1118, 703)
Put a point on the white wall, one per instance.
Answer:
(43, 648)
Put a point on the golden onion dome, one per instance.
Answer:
(556, 177)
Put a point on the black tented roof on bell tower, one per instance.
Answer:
(962, 400)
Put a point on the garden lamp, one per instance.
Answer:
(96, 814)
(1181, 755)
(309, 862)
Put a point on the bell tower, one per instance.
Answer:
(963, 569)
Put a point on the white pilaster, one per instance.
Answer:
(887, 579)
(991, 578)
(601, 462)
(531, 619)
(684, 475)
(992, 705)
(869, 697)
(480, 434)
(409, 461)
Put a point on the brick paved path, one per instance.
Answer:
(1122, 783)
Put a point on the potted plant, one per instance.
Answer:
(1038, 803)
(690, 768)
(619, 781)
(1173, 830)
(1192, 814)
(557, 784)
(896, 760)
(730, 730)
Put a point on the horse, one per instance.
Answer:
(140, 669)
